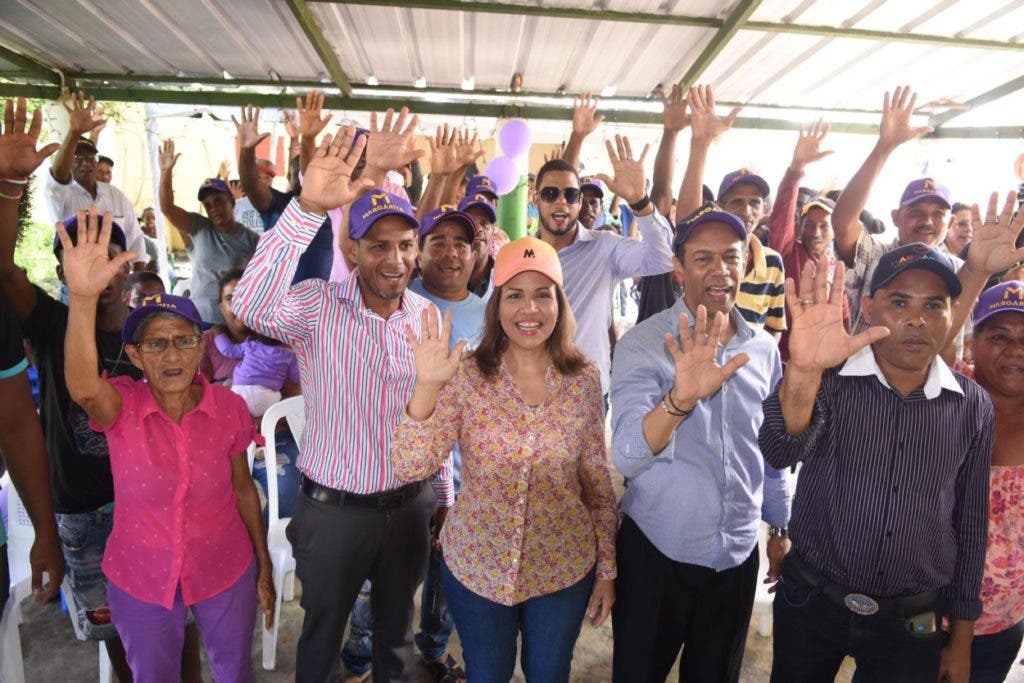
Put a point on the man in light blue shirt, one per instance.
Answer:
(685, 424)
(595, 261)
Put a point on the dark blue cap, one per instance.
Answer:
(707, 213)
(916, 255)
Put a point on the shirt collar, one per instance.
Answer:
(759, 266)
(582, 234)
(205, 405)
(743, 329)
(863, 364)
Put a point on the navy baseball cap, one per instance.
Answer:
(213, 185)
(739, 177)
(708, 213)
(910, 256)
(71, 226)
(86, 144)
(449, 212)
(592, 183)
(373, 206)
(481, 184)
(161, 303)
(926, 188)
(482, 201)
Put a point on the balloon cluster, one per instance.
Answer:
(505, 170)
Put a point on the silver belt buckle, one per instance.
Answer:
(858, 603)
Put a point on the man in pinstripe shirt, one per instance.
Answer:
(890, 516)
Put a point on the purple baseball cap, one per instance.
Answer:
(448, 212)
(916, 255)
(482, 201)
(71, 227)
(1006, 297)
(739, 177)
(481, 184)
(373, 206)
(592, 183)
(161, 303)
(926, 188)
(708, 213)
(213, 185)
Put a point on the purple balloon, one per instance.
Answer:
(504, 173)
(514, 137)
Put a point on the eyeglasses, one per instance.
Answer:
(160, 344)
(551, 194)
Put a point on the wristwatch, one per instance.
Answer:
(781, 531)
(642, 204)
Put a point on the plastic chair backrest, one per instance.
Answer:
(20, 534)
(294, 410)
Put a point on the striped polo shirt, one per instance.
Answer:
(762, 296)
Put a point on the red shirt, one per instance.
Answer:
(176, 517)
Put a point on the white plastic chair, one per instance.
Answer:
(12, 662)
(182, 287)
(762, 598)
(106, 671)
(294, 410)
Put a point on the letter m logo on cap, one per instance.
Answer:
(1013, 292)
(529, 254)
(379, 197)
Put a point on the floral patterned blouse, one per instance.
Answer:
(1002, 588)
(537, 508)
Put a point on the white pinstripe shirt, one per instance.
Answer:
(357, 369)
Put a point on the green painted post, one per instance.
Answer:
(512, 210)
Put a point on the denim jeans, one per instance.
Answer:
(357, 652)
(83, 538)
(993, 655)
(550, 625)
(287, 475)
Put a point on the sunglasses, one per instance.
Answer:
(181, 342)
(551, 194)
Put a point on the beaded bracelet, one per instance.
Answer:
(15, 181)
(664, 406)
(680, 411)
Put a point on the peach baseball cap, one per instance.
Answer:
(525, 254)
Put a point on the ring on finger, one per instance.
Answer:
(807, 301)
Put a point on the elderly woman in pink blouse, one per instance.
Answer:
(530, 545)
(188, 533)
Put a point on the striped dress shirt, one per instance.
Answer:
(357, 368)
(892, 499)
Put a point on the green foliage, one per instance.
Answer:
(34, 253)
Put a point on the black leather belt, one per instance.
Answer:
(859, 603)
(385, 500)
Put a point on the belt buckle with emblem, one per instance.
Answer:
(858, 603)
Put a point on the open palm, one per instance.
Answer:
(436, 363)
(994, 245)
(18, 155)
(443, 159)
(818, 340)
(88, 268)
(388, 148)
(328, 181)
(698, 373)
(629, 181)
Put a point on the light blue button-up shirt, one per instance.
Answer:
(701, 499)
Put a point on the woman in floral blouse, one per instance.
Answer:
(530, 545)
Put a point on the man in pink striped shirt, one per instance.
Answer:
(355, 519)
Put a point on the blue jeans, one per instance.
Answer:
(992, 656)
(435, 623)
(550, 625)
(83, 539)
(287, 475)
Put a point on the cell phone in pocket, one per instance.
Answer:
(922, 624)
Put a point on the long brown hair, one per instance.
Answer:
(567, 359)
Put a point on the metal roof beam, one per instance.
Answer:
(37, 69)
(686, 20)
(321, 45)
(995, 93)
(732, 24)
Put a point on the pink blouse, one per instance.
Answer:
(176, 518)
(1002, 587)
(537, 508)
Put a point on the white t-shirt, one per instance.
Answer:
(67, 200)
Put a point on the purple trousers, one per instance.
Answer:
(153, 637)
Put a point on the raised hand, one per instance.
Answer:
(706, 124)
(994, 245)
(248, 128)
(808, 145)
(88, 268)
(585, 118)
(83, 115)
(443, 158)
(467, 150)
(895, 128)
(310, 123)
(328, 181)
(675, 117)
(291, 123)
(697, 372)
(18, 154)
(629, 181)
(167, 157)
(817, 338)
(389, 148)
(435, 363)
